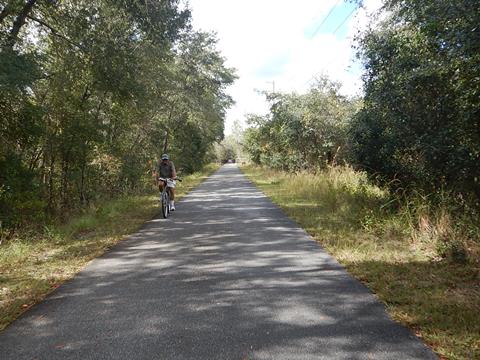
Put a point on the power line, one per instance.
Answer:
(344, 20)
(318, 28)
(325, 18)
(334, 32)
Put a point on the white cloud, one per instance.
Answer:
(265, 40)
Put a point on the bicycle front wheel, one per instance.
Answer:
(165, 202)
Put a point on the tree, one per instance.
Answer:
(306, 131)
(92, 91)
(420, 119)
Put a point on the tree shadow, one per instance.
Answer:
(228, 276)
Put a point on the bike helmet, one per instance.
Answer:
(165, 157)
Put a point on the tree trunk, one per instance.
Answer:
(35, 158)
(165, 142)
(5, 12)
(19, 22)
(65, 169)
(83, 196)
(334, 159)
(51, 190)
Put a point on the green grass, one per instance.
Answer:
(395, 247)
(33, 264)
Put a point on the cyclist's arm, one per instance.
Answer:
(174, 172)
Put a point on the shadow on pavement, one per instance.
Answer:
(228, 276)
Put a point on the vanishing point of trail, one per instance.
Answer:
(227, 276)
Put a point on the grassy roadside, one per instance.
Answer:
(392, 251)
(33, 264)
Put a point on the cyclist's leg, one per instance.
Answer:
(171, 192)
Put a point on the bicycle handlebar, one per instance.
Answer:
(165, 179)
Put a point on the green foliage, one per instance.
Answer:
(91, 92)
(302, 131)
(420, 119)
(18, 193)
(226, 151)
(232, 147)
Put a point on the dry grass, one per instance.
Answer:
(406, 251)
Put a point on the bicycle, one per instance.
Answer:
(165, 196)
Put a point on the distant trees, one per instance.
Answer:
(302, 131)
(232, 147)
(92, 91)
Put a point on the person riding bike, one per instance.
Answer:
(166, 169)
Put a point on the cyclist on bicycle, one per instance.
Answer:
(166, 169)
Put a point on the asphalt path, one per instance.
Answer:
(228, 276)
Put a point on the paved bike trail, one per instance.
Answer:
(228, 276)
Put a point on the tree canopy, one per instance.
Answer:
(302, 131)
(91, 92)
(420, 119)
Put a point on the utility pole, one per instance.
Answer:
(273, 85)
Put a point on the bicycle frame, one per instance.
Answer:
(165, 198)
(165, 186)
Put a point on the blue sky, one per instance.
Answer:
(334, 22)
(327, 25)
(281, 42)
(273, 67)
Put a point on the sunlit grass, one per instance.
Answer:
(33, 264)
(392, 245)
